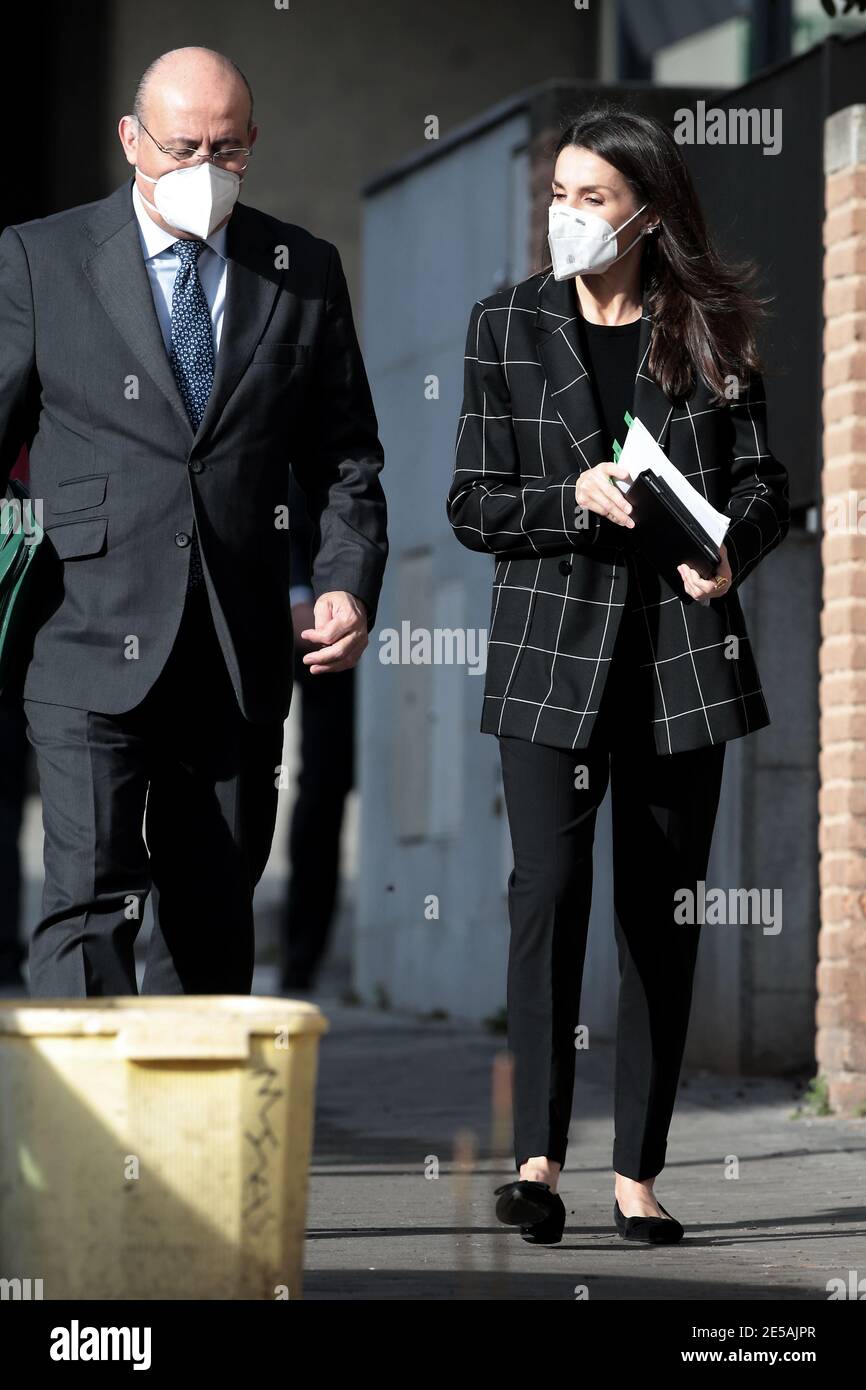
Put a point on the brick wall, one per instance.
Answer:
(841, 1009)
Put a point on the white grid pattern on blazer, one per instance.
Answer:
(565, 580)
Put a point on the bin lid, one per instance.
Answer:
(211, 1026)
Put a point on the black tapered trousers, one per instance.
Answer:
(663, 810)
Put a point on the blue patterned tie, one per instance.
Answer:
(192, 353)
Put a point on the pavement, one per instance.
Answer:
(401, 1204)
(407, 1154)
(408, 1150)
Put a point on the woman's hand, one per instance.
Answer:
(594, 491)
(705, 589)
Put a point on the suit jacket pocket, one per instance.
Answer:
(280, 354)
(75, 494)
(513, 625)
(72, 539)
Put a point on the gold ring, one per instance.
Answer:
(720, 581)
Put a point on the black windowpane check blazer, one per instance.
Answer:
(566, 578)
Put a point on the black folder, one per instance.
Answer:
(666, 533)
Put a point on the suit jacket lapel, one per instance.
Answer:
(251, 287)
(118, 274)
(569, 388)
(651, 406)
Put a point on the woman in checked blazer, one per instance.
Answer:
(598, 669)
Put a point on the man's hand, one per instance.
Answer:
(705, 589)
(340, 624)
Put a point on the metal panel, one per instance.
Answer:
(437, 238)
(770, 209)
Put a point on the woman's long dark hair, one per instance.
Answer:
(704, 310)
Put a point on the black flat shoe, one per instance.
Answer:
(549, 1231)
(655, 1230)
(532, 1206)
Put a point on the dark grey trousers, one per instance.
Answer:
(176, 798)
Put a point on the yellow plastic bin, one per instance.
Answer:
(156, 1147)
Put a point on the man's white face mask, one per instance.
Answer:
(582, 243)
(195, 199)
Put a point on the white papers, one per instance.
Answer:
(641, 451)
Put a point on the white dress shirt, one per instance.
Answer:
(162, 267)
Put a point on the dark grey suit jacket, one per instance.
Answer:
(86, 382)
(302, 534)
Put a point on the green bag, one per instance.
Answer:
(20, 547)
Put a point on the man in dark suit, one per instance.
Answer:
(168, 352)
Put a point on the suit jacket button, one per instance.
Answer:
(196, 466)
(565, 567)
(181, 538)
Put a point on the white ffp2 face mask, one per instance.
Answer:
(582, 243)
(196, 199)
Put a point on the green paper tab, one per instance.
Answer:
(617, 447)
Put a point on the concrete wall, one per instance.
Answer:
(432, 816)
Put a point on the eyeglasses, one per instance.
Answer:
(219, 157)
